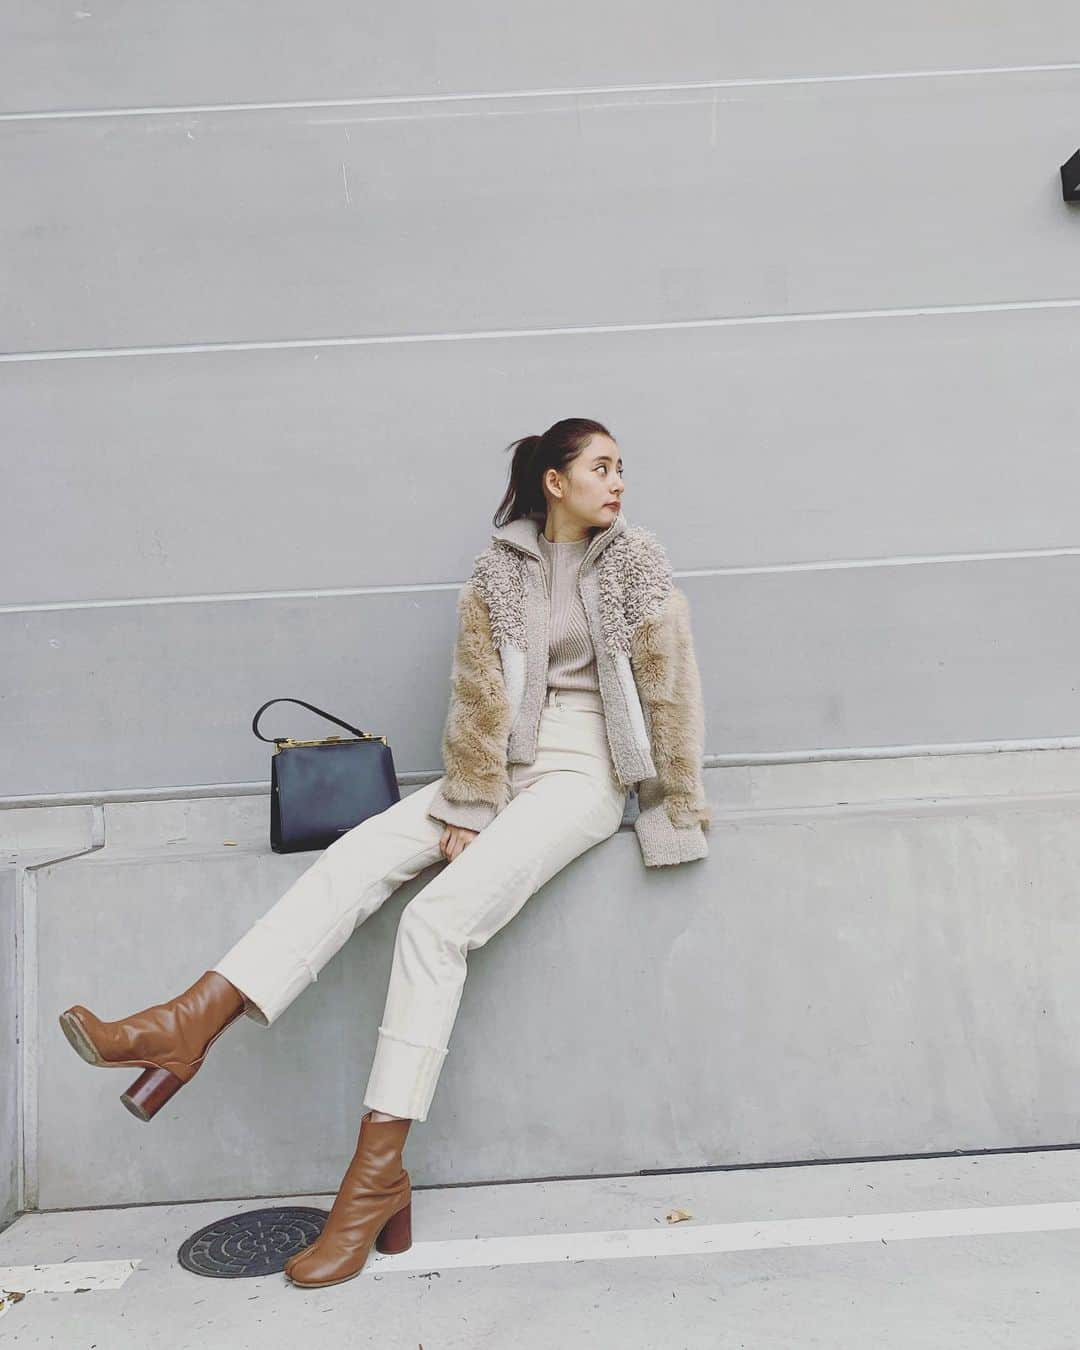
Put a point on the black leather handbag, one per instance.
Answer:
(321, 789)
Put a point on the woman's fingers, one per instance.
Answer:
(454, 839)
(449, 844)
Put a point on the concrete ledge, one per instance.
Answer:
(9, 1051)
(877, 958)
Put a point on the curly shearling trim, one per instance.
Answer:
(635, 579)
(634, 575)
(499, 575)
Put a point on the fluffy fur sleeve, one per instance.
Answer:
(674, 810)
(476, 785)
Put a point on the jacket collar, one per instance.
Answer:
(522, 534)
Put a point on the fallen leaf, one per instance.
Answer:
(8, 1300)
(678, 1215)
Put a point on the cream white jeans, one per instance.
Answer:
(563, 803)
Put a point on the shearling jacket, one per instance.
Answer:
(650, 686)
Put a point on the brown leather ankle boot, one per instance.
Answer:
(373, 1205)
(169, 1040)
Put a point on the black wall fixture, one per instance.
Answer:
(1070, 178)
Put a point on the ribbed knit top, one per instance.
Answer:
(571, 657)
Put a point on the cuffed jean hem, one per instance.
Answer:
(403, 1077)
(268, 978)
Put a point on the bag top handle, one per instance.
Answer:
(274, 740)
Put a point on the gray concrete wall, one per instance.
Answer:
(891, 975)
(795, 659)
(878, 374)
(277, 295)
(135, 55)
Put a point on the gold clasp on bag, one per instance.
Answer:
(287, 743)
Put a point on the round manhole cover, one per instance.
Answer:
(256, 1243)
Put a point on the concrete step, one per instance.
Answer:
(877, 958)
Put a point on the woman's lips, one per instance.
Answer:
(614, 504)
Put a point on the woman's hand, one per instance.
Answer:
(454, 839)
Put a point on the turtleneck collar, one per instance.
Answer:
(523, 533)
(562, 545)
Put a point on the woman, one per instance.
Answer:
(573, 680)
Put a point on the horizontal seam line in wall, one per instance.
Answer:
(749, 569)
(501, 334)
(179, 792)
(377, 100)
(920, 802)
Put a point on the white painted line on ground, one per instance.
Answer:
(688, 1239)
(66, 1277)
(684, 1239)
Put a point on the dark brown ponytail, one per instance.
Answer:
(556, 448)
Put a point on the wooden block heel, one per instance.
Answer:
(150, 1091)
(396, 1235)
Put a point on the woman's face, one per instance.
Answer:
(592, 490)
